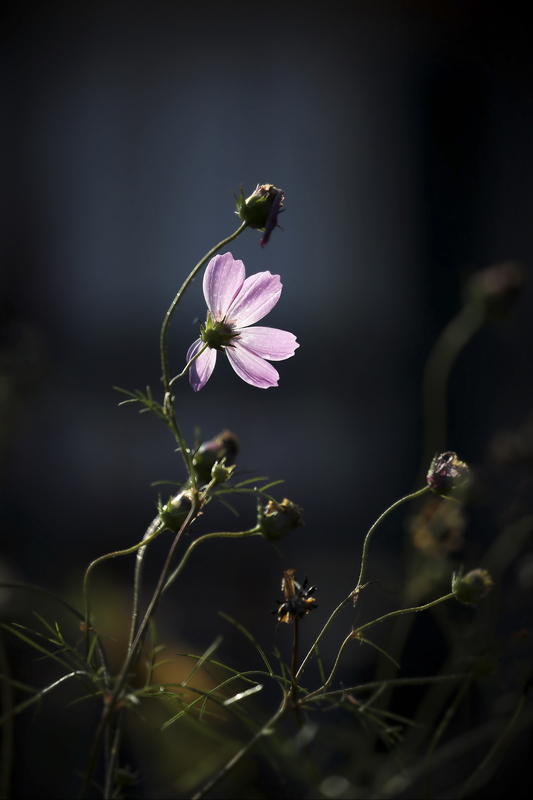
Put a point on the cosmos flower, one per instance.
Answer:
(235, 302)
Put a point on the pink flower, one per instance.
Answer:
(235, 302)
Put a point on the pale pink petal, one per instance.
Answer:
(252, 368)
(268, 343)
(200, 371)
(223, 279)
(258, 295)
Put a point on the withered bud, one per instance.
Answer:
(447, 474)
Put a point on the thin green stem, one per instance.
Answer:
(398, 612)
(110, 705)
(337, 660)
(380, 519)
(204, 538)
(294, 662)
(360, 585)
(173, 305)
(188, 366)
(319, 694)
(100, 560)
(323, 632)
(137, 577)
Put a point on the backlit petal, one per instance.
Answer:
(271, 343)
(252, 368)
(200, 371)
(258, 295)
(223, 279)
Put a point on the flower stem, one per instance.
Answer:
(355, 633)
(323, 633)
(99, 561)
(364, 556)
(191, 362)
(111, 703)
(204, 538)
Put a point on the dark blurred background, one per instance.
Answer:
(401, 135)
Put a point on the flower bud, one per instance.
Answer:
(261, 209)
(223, 447)
(495, 288)
(220, 473)
(472, 587)
(174, 513)
(447, 473)
(276, 520)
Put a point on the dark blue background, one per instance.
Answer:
(401, 135)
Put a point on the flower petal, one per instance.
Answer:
(271, 343)
(258, 295)
(251, 368)
(200, 371)
(223, 279)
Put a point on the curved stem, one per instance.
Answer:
(173, 305)
(97, 561)
(337, 660)
(375, 525)
(137, 577)
(111, 703)
(323, 633)
(204, 538)
(398, 612)
(188, 366)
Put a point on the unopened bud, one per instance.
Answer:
(472, 587)
(261, 209)
(276, 520)
(225, 446)
(220, 473)
(174, 513)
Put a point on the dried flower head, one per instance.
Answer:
(472, 587)
(235, 302)
(297, 602)
(447, 474)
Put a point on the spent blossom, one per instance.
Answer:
(234, 302)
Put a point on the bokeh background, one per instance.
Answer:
(401, 135)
